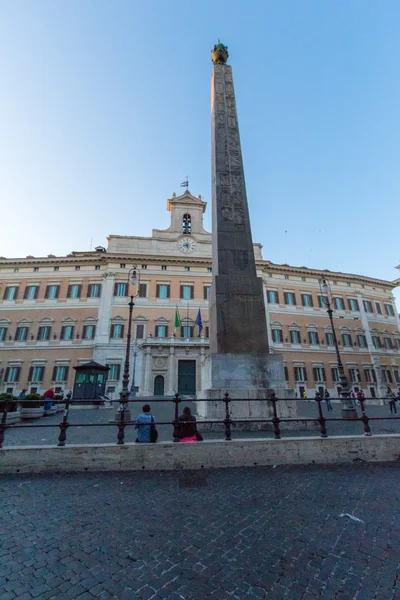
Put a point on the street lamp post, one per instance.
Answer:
(348, 410)
(135, 350)
(123, 413)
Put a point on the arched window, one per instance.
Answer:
(186, 224)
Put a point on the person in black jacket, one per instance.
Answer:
(186, 429)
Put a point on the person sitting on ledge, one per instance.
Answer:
(186, 428)
(143, 424)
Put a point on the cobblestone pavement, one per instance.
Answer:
(233, 534)
(164, 411)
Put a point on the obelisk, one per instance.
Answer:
(240, 360)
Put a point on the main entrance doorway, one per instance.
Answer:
(187, 377)
(159, 386)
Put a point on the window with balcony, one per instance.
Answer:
(11, 292)
(139, 331)
(67, 332)
(60, 373)
(367, 306)
(120, 289)
(3, 333)
(389, 309)
(44, 333)
(353, 304)
(36, 374)
(117, 331)
(346, 338)
(12, 374)
(313, 338)
(161, 331)
(114, 372)
(21, 334)
(300, 374)
(272, 297)
(307, 300)
(163, 290)
(74, 291)
(362, 341)
(290, 298)
(206, 290)
(187, 331)
(187, 292)
(319, 374)
(89, 331)
(277, 336)
(338, 303)
(52, 292)
(94, 290)
(295, 337)
(378, 308)
(31, 292)
(329, 338)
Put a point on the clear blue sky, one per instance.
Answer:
(105, 107)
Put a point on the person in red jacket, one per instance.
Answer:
(48, 398)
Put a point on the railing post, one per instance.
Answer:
(64, 423)
(121, 425)
(275, 420)
(364, 418)
(176, 400)
(3, 425)
(227, 420)
(321, 418)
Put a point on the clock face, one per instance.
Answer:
(186, 245)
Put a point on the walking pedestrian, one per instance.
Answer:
(327, 400)
(392, 400)
(305, 395)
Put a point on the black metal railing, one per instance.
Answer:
(121, 423)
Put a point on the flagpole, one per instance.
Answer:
(187, 315)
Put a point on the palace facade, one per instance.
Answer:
(60, 312)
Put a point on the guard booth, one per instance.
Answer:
(90, 381)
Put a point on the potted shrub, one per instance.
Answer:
(10, 404)
(32, 407)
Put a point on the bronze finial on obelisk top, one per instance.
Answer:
(219, 54)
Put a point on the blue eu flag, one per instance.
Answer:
(199, 322)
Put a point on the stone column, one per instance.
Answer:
(171, 383)
(147, 373)
(105, 307)
(268, 316)
(374, 356)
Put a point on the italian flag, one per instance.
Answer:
(177, 320)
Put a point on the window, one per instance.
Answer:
(286, 370)
(163, 267)
(346, 339)
(3, 333)
(186, 224)
(139, 332)
(31, 292)
(335, 374)
(376, 341)
(389, 309)
(206, 291)
(142, 290)
(300, 374)
(36, 374)
(370, 375)
(277, 336)
(307, 300)
(207, 331)
(94, 290)
(295, 336)
(209, 269)
(367, 306)
(21, 334)
(353, 304)
(67, 332)
(16, 270)
(56, 268)
(303, 279)
(362, 341)
(272, 297)
(354, 375)
(120, 289)
(290, 298)
(74, 291)
(77, 268)
(313, 338)
(44, 333)
(12, 374)
(122, 266)
(329, 338)
(144, 267)
(117, 331)
(397, 341)
(396, 375)
(162, 331)
(88, 332)
(35, 269)
(338, 303)
(60, 373)
(323, 301)
(378, 308)
(187, 292)
(187, 331)
(97, 267)
(52, 291)
(388, 343)
(319, 374)
(163, 290)
(114, 372)
(187, 268)
(11, 292)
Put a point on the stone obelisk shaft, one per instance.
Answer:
(237, 311)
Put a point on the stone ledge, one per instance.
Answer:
(208, 454)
